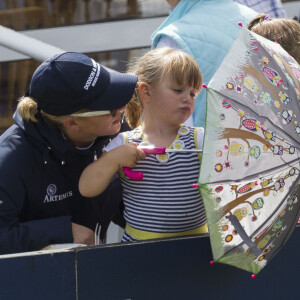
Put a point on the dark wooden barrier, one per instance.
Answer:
(161, 270)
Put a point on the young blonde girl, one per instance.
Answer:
(164, 203)
(284, 31)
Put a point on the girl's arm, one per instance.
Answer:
(97, 176)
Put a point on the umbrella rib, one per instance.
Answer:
(244, 236)
(254, 176)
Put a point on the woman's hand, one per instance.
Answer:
(82, 235)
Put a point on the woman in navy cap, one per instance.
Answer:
(71, 109)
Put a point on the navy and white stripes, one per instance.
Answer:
(165, 201)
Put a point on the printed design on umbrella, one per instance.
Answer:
(296, 72)
(250, 173)
(267, 138)
(261, 77)
(273, 76)
(250, 140)
(251, 189)
(250, 201)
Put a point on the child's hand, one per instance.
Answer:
(127, 155)
(96, 177)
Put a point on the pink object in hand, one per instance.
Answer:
(133, 175)
(154, 150)
(148, 150)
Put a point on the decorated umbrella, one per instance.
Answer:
(249, 178)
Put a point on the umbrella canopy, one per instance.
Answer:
(249, 178)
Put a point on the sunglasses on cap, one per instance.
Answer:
(95, 113)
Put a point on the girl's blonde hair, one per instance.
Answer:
(284, 31)
(152, 67)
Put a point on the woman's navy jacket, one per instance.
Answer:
(39, 196)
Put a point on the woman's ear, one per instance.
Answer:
(70, 123)
(144, 91)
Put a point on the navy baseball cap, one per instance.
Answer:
(69, 82)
